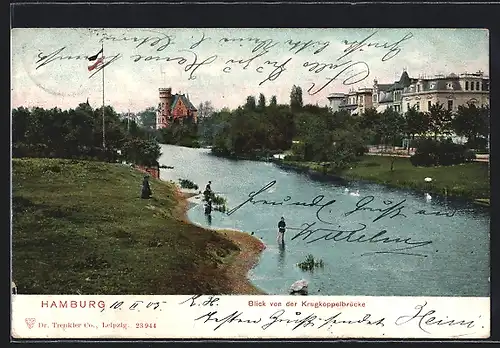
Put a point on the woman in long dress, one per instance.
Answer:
(146, 189)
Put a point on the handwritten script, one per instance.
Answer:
(327, 227)
(327, 61)
(294, 316)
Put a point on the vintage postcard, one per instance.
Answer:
(250, 183)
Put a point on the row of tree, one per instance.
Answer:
(78, 133)
(316, 134)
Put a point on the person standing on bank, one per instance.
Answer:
(146, 189)
(281, 231)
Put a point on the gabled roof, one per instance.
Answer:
(404, 81)
(185, 101)
(384, 87)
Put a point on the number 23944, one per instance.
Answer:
(145, 325)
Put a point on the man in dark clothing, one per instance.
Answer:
(208, 192)
(281, 231)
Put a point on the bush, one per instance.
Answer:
(361, 150)
(479, 143)
(469, 155)
(310, 263)
(293, 158)
(432, 153)
(188, 184)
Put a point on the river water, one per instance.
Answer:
(404, 253)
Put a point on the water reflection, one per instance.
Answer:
(281, 259)
(209, 219)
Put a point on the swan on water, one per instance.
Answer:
(346, 190)
(428, 179)
(428, 197)
(355, 193)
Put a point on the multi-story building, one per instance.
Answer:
(451, 91)
(355, 101)
(174, 108)
(390, 95)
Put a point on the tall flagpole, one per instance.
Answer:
(103, 120)
(128, 121)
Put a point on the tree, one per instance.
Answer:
(471, 122)
(205, 110)
(371, 122)
(416, 123)
(273, 101)
(391, 127)
(250, 103)
(262, 101)
(147, 118)
(296, 101)
(439, 120)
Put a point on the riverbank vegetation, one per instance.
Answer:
(188, 184)
(310, 263)
(80, 227)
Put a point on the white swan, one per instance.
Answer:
(356, 194)
(428, 197)
(346, 190)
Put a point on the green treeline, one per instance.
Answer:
(313, 133)
(77, 133)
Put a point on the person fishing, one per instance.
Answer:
(281, 231)
(208, 192)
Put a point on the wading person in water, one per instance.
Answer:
(208, 192)
(281, 231)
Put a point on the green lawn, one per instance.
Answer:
(468, 180)
(81, 227)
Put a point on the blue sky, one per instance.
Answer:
(147, 59)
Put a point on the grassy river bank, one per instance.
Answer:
(80, 227)
(469, 180)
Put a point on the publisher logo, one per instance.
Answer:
(30, 322)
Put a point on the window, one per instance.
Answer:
(408, 106)
(429, 104)
(478, 87)
(472, 86)
(450, 105)
(466, 85)
(417, 106)
(418, 88)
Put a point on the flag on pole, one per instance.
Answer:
(96, 60)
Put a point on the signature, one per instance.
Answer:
(393, 48)
(426, 318)
(191, 67)
(293, 319)
(160, 41)
(393, 209)
(352, 236)
(389, 210)
(262, 59)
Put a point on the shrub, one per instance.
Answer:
(361, 150)
(432, 152)
(188, 184)
(310, 263)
